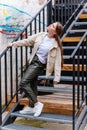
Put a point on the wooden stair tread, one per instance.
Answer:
(64, 97)
(49, 100)
(71, 39)
(83, 16)
(54, 104)
(69, 67)
(58, 103)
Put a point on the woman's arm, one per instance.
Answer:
(57, 67)
(25, 42)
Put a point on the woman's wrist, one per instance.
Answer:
(10, 45)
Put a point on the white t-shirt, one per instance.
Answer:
(44, 48)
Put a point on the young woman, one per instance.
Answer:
(47, 51)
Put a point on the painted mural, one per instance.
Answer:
(15, 14)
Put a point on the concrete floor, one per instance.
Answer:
(43, 124)
(57, 126)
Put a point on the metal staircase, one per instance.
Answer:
(75, 57)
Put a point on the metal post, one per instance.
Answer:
(16, 59)
(86, 69)
(11, 73)
(0, 96)
(73, 94)
(49, 13)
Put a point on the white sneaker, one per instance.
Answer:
(27, 110)
(38, 109)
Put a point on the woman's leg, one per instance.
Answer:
(29, 81)
(33, 84)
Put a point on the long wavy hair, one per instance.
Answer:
(59, 29)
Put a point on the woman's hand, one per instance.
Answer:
(9, 45)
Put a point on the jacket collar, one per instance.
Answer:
(55, 44)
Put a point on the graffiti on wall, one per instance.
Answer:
(15, 14)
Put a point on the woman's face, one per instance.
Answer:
(52, 29)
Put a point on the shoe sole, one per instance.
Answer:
(26, 113)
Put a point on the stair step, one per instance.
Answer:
(58, 102)
(85, 8)
(81, 27)
(64, 90)
(46, 117)
(20, 127)
(69, 47)
(83, 16)
(77, 30)
(76, 57)
(69, 67)
(53, 89)
(64, 78)
(66, 57)
(80, 23)
(81, 57)
(72, 39)
(55, 103)
(52, 77)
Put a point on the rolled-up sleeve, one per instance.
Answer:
(26, 42)
(57, 66)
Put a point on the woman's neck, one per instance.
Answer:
(50, 36)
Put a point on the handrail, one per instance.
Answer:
(75, 50)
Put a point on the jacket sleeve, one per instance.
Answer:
(26, 42)
(57, 66)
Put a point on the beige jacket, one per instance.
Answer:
(54, 55)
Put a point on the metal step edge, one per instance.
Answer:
(81, 57)
(20, 127)
(66, 56)
(80, 23)
(85, 10)
(53, 89)
(46, 117)
(69, 57)
(69, 78)
(71, 47)
(78, 31)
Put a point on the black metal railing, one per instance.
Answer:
(13, 62)
(63, 9)
(79, 57)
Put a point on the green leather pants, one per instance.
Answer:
(29, 81)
